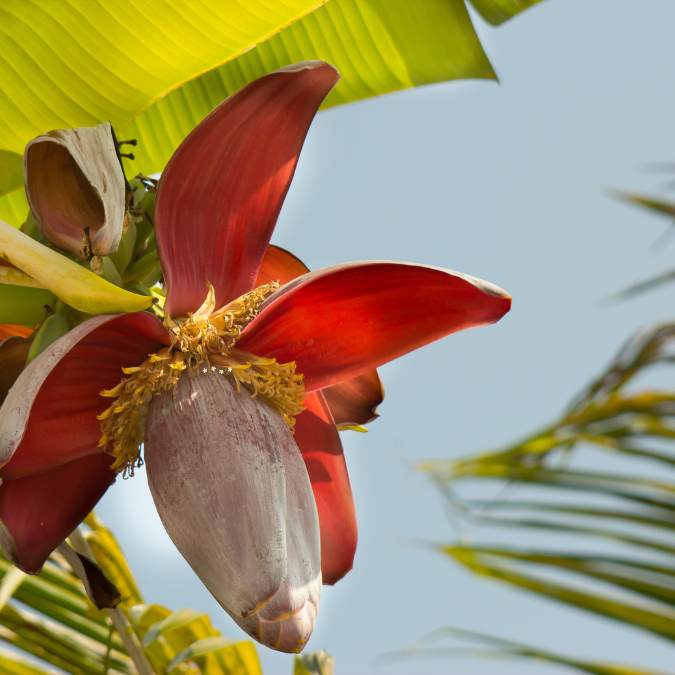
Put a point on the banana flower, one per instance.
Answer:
(237, 395)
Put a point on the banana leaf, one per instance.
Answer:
(155, 70)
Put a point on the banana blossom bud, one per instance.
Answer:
(76, 189)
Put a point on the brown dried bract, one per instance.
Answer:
(76, 189)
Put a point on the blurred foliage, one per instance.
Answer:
(661, 207)
(24, 305)
(318, 663)
(621, 518)
(158, 68)
(48, 621)
(623, 514)
(480, 645)
(50, 618)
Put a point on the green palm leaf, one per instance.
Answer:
(48, 622)
(488, 646)
(49, 618)
(661, 207)
(619, 520)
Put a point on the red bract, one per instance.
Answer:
(225, 472)
(8, 330)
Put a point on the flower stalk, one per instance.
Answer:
(116, 615)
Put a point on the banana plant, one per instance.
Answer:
(87, 247)
(244, 382)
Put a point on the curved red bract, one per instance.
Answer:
(321, 449)
(221, 192)
(340, 322)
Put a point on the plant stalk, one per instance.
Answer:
(117, 616)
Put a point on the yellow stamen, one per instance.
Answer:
(352, 427)
(207, 332)
(276, 383)
(123, 422)
(198, 341)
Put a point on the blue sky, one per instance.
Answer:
(510, 183)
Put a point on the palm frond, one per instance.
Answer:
(659, 206)
(475, 644)
(599, 482)
(48, 620)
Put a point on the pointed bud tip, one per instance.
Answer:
(289, 631)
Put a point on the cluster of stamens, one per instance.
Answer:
(123, 422)
(203, 342)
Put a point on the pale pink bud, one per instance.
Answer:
(232, 491)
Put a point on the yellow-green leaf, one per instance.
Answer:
(11, 170)
(498, 11)
(10, 664)
(378, 46)
(66, 65)
(23, 305)
(53, 327)
(109, 556)
(11, 580)
(178, 619)
(239, 658)
(154, 75)
(660, 623)
(68, 607)
(14, 207)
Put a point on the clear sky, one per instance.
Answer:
(510, 183)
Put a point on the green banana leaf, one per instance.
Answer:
(24, 305)
(155, 70)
